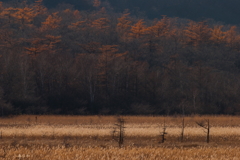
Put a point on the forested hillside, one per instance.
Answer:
(67, 61)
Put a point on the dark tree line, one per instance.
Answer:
(66, 61)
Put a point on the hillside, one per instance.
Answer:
(67, 61)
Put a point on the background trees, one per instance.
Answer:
(66, 61)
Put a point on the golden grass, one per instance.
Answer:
(104, 125)
(112, 153)
(90, 137)
(106, 130)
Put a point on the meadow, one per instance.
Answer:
(92, 137)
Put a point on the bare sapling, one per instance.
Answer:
(119, 131)
(206, 125)
(182, 132)
(36, 119)
(163, 133)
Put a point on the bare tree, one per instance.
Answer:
(183, 126)
(163, 133)
(206, 125)
(118, 133)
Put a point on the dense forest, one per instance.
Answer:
(97, 61)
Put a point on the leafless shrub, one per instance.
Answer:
(182, 132)
(205, 125)
(163, 133)
(118, 132)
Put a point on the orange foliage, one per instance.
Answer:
(109, 49)
(39, 8)
(77, 14)
(51, 40)
(1, 6)
(52, 22)
(197, 33)
(77, 26)
(108, 60)
(7, 13)
(160, 28)
(124, 26)
(231, 37)
(101, 23)
(109, 53)
(217, 35)
(24, 16)
(40, 45)
(139, 29)
(36, 47)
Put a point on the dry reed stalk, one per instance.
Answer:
(99, 153)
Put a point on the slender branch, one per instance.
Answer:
(206, 125)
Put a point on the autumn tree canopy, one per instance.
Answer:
(68, 61)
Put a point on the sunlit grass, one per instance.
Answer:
(104, 125)
(106, 130)
(90, 137)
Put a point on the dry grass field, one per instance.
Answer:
(91, 137)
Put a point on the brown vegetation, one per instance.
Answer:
(77, 137)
